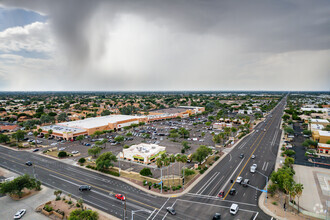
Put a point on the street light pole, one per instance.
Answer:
(161, 180)
(266, 184)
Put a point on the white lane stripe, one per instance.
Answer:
(255, 216)
(209, 183)
(221, 206)
(216, 185)
(222, 189)
(64, 180)
(160, 209)
(167, 212)
(263, 165)
(217, 199)
(206, 183)
(266, 166)
(151, 214)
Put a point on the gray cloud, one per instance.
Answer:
(224, 40)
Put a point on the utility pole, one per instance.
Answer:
(161, 180)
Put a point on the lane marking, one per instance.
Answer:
(210, 183)
(206, 183)
(217, 199)
(221, 206)
(249, 157)
(160, 209)
(255, 216)
(223, 188)
(216, 185)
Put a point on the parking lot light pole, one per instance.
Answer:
(266, 184)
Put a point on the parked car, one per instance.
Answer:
(75, 152)
(35, 150)
(29, 163)
(120, 197)
(239, 179)
(234, 209)
(61, 149)
(85, 188)
(171, 210)
(19, 214)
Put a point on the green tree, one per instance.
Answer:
(183, 132)
(62, 117)
(50, 131)
(146, 172)
(119, 139)
(80, 138)
(4, 138)
(201, 153)
(307, 132)
(16, 186)
(35, 134)
(97, 134)
(299, 189)
(286, 117)
(62, 154)
(19, 135)
(289, 161)
(288, 130)
(82, 160)
(94, 151)
(104, 161)
(79, 214)
(174, 136)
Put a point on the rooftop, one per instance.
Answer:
(62, 129)
(319, 120)
(99, 121)
(144, 149)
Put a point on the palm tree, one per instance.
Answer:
(178, 158)
(184, 159)
(167, 163)
(172, 160)
(35, 134)
(159, 163)
(299, 188)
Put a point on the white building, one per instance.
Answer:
(143, 153)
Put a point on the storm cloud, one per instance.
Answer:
(188, 44)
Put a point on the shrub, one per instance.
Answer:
(272, 189)
(70, 202)
(173, 188)
(146, 172)
(201, 171)
(216, 158)
(183, 150)
(58, 198)
(188, 172)
(12, 145)
(274, 203)
(62, 154)
(283, 148)
(48, 208)
(82, 160)
(150, 183)
(126, 146)
(78, 205)
(289, 153)
(144, 182)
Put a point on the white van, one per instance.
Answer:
(233, 209)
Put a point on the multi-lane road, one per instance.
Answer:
(201, 202)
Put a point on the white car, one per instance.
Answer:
(239, 179)
(19, 214)
(75, 152)
(62, 149)
(255, 165)
(53, 144)
(233, 209)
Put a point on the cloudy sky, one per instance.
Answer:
(164, 45)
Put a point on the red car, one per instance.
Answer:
(120, 197)
(221, 194)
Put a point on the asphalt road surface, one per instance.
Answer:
(201, 202)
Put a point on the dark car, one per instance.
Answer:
(216, 216)
(232, 191)
(29, 163)
(171, 210)
(221, 194)
(35, 150)
(84, 188)
(241, 156)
